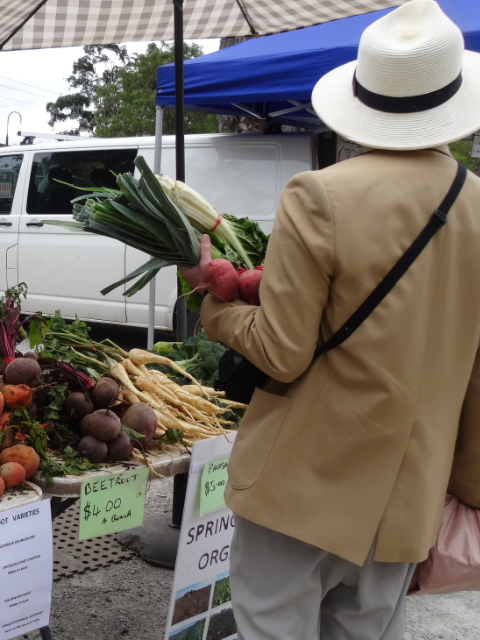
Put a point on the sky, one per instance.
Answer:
(30, 79)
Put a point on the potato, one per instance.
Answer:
(92, 449)
(102, 424)
(141, 418)
(120, 448)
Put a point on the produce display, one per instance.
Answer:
(72, 404)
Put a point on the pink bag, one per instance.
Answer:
(453, 564)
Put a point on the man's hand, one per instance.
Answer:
(194, 275)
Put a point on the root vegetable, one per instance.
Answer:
(23, 371)
(221, 279)
(9, 433)
(120, 448)
(137, 356)
(2, 403)
(31, 354)
(12, 474)
(249, 286)
(24, 455)
(2, 487)
(77, 405)
(141, 418)
(102, 424)
(92, 449)
(105, 393)
(19, 395)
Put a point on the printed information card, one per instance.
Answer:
(112, 503)
(201, 607)
(26, 569)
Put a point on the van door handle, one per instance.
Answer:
(35, 223)
(4, 223)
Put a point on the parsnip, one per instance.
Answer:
(144, 357)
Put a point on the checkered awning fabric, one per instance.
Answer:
(66, 23)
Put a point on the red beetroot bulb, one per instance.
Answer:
(221, 279)
(249, 286)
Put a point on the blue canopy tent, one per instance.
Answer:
(273, 76)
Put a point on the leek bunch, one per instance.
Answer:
(165, 219)
(143, 217)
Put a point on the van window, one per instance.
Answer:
(84, 169)
(9, 170)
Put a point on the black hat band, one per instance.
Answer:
(408, 104)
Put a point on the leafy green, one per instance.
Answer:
(73, 464)
(252, 238)
(197, 356)
(131, 433)
(172, 436)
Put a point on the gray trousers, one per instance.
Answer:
(285, 589)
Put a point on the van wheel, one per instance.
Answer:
(194, 324)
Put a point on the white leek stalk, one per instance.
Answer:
(202, 215)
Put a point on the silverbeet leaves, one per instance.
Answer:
(142, 216)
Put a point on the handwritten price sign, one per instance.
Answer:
(212, 485)
(112, 503)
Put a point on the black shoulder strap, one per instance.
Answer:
(437, 220)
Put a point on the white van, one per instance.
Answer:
(240, 174)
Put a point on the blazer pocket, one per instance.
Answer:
(256, 437)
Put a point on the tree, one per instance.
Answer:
(136, 96)
(86, 78)
(120, 101)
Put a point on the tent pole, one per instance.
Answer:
(179, 145)
(157, 161)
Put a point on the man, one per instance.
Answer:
(341, 464)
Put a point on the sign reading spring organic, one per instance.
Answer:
(212, 485)
(26, 569)
(201, 607)
(112, 503)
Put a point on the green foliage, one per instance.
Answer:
(136, 92)
(58, 336)
(251, 237)
(98, 67)
(114, 94)
(131, 433)
(222, 593)
(196, 355)
(195, 632)
(171, 436)
(461, 151)
(73, 464)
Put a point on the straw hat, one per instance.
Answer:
(413, 86)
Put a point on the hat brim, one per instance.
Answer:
(336, 105)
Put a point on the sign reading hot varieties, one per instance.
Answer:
(26, 569)
(201, 607)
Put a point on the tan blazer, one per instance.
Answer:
(363, 439)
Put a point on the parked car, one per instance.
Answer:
(240, 174)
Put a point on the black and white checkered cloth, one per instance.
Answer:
(66, 23)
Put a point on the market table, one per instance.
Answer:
(176, 461)
(12, 498)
